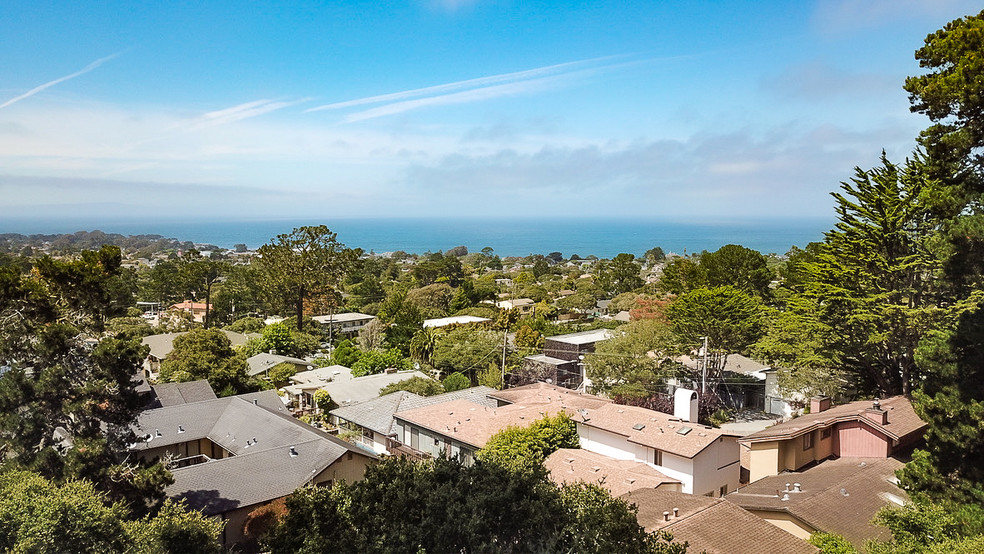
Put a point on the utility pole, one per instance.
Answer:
(503, 371)
(703, 373)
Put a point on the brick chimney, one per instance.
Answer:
(819, 404)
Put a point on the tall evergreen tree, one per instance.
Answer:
(67, 399)
(873, 279)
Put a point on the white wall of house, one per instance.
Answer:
(606, 443)
(679, 468)
(714, 467)
(717, 466)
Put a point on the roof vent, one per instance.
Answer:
(684, 430)
(676, 512)
(787, 488)
(157, 433)
(666, 516)
(256, 402)
(595, 469)
(797, 487)
(181, 429)
(785, 497)
(293, 452)
(845, 493)
(639, 426)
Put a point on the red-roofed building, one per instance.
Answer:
(196, 309)
(862, 429)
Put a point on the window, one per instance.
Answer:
(657, 457)
(724, 490)
(825, 434)
(807, 441)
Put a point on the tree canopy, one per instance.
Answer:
(444, 506)
(306, 264)
(207, 354)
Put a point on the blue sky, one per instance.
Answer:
(696, 110)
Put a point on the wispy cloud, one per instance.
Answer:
(475, 95)
(50, 84)
(245, 111)
(467, 90)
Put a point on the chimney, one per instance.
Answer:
(876, 414)
(685, 404)
(819, 404)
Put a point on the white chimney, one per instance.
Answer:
(685, 404)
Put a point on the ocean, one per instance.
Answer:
(602, 237)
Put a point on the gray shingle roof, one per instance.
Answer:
(263, 361)
(162, 345)
(221, 485)
(259, 435)
(172, 394)
(360, 389)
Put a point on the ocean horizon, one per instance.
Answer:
(602, 237)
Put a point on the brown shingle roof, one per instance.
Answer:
(712, 525)
(902, 420)
(658, 430)
(570, 465)
(838, 496)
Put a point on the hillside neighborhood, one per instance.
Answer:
(160, 395)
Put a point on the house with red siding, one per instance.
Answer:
(863, 429)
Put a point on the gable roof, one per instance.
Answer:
(735, 363)
(162, 345)
(570, 465)
(902, 421)
(474, 425)
(346, 392)
(653, 429)
(172, 394)
(712, 525)
(377, 414)
(837, 496)
(262, 466)
(263, 361)
(540, 392)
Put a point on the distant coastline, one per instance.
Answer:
(603, 237)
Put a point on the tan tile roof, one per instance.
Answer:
(659, 430)
(539, 391)
(902, 420)
(474, 425)
(570, 465)
(838, 496)
(712, 525)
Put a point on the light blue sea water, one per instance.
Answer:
(508, 237)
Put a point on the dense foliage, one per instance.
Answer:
(444, 506)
